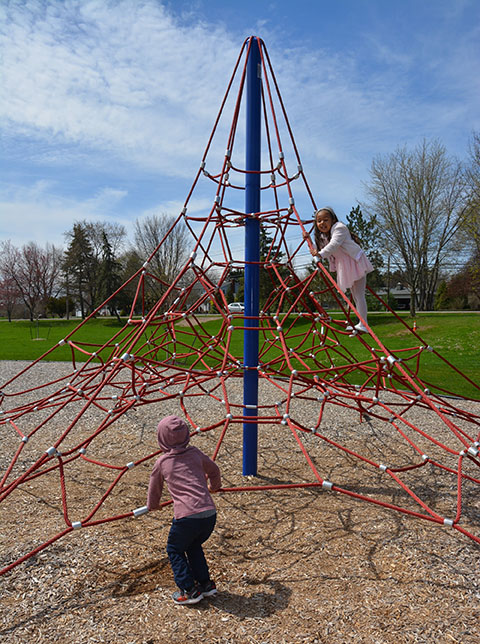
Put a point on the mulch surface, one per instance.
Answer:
(302, 565)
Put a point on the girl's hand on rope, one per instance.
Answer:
(311, 248)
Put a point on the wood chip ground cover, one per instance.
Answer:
(291, 566)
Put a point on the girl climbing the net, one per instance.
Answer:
(336, 243)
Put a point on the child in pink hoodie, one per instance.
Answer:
(190, 476)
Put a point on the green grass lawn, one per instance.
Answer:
(455, 336)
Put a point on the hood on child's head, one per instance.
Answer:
(173, 434)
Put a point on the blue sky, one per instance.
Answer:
(106, 106)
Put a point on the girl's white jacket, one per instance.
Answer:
(340, 238)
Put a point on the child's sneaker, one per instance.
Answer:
(192, 596)
(361, 328)
(209, 589)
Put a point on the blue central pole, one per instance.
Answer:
(252, 257)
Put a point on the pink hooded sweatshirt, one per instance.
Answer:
(184, 468)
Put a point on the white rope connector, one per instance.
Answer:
(130, 465)
(76, 525)
(291, 201)
(51, 451)
(61, 342)
(82, 450)
(391, 360)
(327, 485)
(25, 439)
(229, 416)
(193, 254)
(382, 467)
(425, 457)
(139, 511)
(448, 522)
(473, 451)
(126, 357)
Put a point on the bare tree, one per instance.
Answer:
(471, 227)
(34, 271)
(168, 242)
(420, 198)
(9, 296)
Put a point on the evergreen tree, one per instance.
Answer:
(270, 254)
(110, 278)
(368, 234)
(81, 269)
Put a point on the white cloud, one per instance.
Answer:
(38, 213)
(121, 76)
(105, 84)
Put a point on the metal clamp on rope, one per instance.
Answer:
(139, 511)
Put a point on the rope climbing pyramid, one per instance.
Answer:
(310, 369)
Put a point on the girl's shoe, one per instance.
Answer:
(361, 328)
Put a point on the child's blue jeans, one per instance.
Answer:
(184, 549)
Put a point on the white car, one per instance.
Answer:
(236, 307)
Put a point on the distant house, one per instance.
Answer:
(401, 295)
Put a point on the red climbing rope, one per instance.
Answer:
(309, 362)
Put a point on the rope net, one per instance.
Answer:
(312, 368)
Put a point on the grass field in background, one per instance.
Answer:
(455, 336)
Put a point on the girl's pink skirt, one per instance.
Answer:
(349, 270)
